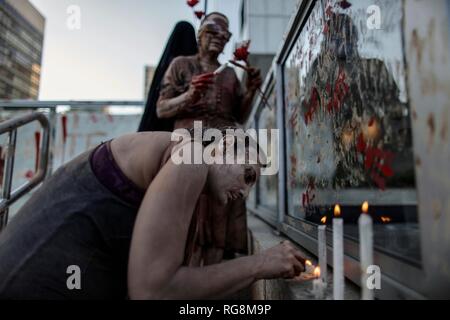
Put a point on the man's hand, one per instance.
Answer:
(282, 261)
(254, 80)
(199, 85)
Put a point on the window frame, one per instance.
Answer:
(268, 215)
(400, 279)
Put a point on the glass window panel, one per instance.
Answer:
(348, 123)
(268, 184)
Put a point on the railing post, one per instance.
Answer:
(8, 175)
(53, 117)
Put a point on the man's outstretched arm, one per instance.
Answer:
(159, 240)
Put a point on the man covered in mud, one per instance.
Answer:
(124, 218)
(190, 91)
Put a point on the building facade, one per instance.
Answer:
(265, 22)
(21, 43)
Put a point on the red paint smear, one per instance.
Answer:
(311, 184)
(361, 144)
(293, 120)
(329, 11)
(377, 162)
(338, 96)
(341, 89)
(381, 160)
(312, 105)
(199, 14)
(326, 28)
(344, 4)
(305, 199)
(29, 174)
(64, 128)
(379, 181)
(94, 118)
(37, 140)
(293, 159)
(309, 195)
(192, 3)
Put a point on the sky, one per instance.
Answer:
(105, 58)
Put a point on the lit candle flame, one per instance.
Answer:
(337, 211)
(308, 263)
(365, 207)
(317, 272)
(386, 219)
(324, 219)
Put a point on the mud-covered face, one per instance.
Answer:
(229, 182)
(214, 34)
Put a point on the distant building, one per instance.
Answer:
(21, 41)
(148, 78)
(264, 22)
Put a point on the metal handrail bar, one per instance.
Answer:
(11, 126)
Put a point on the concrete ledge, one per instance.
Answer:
(261, 237)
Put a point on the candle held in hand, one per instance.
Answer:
(221, 68)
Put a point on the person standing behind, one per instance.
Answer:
(190, 91)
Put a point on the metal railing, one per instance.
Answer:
(11, 127)
(50, 108)
(29, 104)
(46, 112)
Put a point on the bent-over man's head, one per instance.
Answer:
(234, 160)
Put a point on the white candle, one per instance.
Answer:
(323, 252)
(318, 285)
(338, 255)
(365, 249)
(221, 68)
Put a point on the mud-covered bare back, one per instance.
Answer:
(140, 156)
